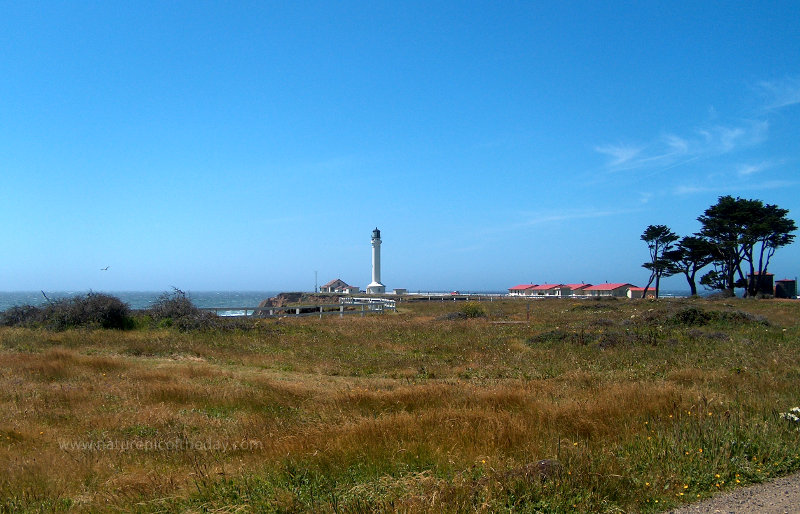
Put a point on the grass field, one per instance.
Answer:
(553, 406)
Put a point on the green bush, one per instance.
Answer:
(473, 310)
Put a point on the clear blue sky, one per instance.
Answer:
(245, 145)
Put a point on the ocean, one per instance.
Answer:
(144, 299)
(202, 299)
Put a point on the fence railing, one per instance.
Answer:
(351, 300)
(296, 311)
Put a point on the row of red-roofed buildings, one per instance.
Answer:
(618, 290)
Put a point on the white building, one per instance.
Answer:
(338, 285)
(375, 287)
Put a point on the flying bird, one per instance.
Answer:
(105, 269)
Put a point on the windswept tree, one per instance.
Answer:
(659, 239)
(743, 231)
(691, 254)
(768, 232)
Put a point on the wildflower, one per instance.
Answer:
(647, 484)
(574, 444)
(717, 475)
(685, 486)
(738, 481)
(483, 461)
(793, 415)
(700, 450)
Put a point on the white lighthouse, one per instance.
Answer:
(375, 287)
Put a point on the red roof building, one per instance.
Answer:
(577, 288)
(637, 292)
(616, 289)
(521, 289)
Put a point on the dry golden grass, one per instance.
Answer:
(402, 412)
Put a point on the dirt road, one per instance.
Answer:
(776, 497)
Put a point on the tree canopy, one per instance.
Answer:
(659, 239)
(738, 237)
(743, 232)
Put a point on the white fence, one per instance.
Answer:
(386, 302)
(296, 311)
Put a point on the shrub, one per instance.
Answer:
(473, 310)
(176, 310)
(691, 316)
(21, 316)
(451, 316)
(174, 305)
(742, 318)
(94, 310)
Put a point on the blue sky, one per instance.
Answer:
(236, 145)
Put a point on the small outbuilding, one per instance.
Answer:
(637, 292)
(785, 288)
(764, 282)
(338, 285)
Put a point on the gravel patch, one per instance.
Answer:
(775, 497)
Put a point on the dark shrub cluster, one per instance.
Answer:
(21, 316)
(175, 309)
(93, 310)
(693, 316)
(174, 305)
(451, 316)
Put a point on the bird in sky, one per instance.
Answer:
(105, 269)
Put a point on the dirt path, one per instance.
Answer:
(776, 497)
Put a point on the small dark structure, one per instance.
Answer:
(785, 288)
(764, 282)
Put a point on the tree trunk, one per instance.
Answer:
(644, 293)
(692, 285)
(658, 281)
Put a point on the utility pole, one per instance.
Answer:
(316, 289)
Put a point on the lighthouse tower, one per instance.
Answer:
(375, 286)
